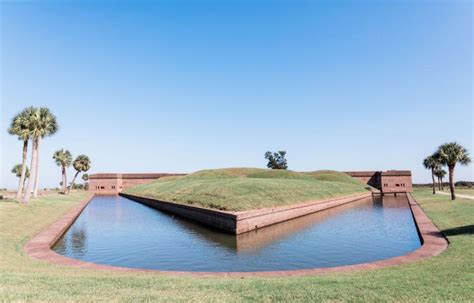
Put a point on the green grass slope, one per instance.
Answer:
(447, 277)
(237, 189)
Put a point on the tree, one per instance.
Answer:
(17, 171)
(450, 154)
(440, 173)
(432, 163)
(81, 164)
(20, 126)
(42, 124)
(85, 178)
(63, 158)
(276, 160)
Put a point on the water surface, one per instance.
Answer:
(120, 232)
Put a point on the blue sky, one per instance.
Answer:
(187, 85)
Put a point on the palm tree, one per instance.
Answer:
(432, 163)
(450, 154)
(42, 124)
(81, 164)
(20, 126)
(440, 173)
(17, 171)
(63, 158)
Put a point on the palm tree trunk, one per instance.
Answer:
(73, 180)
(451, 182)
(64, 180)
(31, 179)
(433, 179)
(23, 170)
(35, 190)
(439, 184)
(442, 185)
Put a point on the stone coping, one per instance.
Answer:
(433, 243)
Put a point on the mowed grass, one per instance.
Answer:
(237, 189)
(447, 277)
(461, 191)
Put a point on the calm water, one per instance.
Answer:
(117, 231)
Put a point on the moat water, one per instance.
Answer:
(120, 232)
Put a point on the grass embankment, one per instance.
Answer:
(237, 189)
(447, 277)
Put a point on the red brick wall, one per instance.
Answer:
(112, 184)
(393, 181)
(392, 184)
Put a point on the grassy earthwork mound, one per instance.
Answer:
(238, 189)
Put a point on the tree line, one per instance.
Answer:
(448, 154)
(31, 126)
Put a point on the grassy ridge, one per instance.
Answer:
(447, 277)
(237, 189)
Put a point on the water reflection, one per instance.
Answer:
(257, 239)
(120, 232)
(75, 240)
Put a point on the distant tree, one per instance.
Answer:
(432, 163)
(451, 154)
(17, 171)
(276, 160)
(63, 158)
(440, 174)
(78, 186)
(85, 178)
(81, 164)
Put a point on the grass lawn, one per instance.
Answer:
(449, 276)
(462, 191)
(237, 189)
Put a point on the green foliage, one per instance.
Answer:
(440, 173)
(432, 162)
(21, 124)
(43, 123)
(33, 122)
(276, 160)
(82, 163)
(468, 184)
(62, 158)
(78, 186)
(16, 170)
(452, 153)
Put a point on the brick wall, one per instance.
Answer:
(392, 181)
(112, 184)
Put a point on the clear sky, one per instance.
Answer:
(178, 86)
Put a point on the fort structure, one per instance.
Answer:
(388, 182)
(113, 184)
(239, 222)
